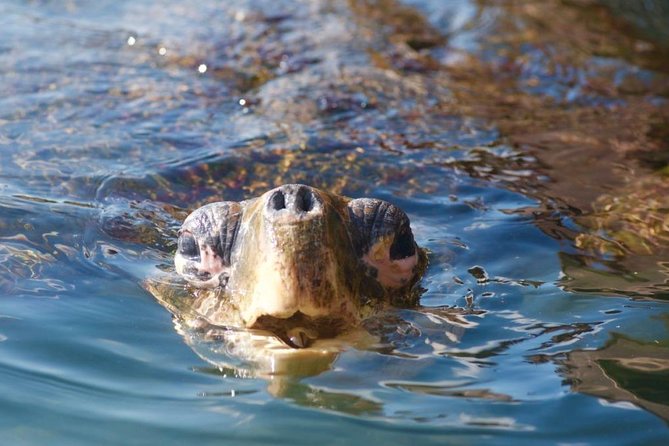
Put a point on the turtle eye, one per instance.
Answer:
(373, 219)
(188, 246)
(382, 237)
(403, 245)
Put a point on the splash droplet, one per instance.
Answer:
(131, 40)
(469, 298)
(202, 68)
(479, 274)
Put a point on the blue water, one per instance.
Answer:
(118, 117)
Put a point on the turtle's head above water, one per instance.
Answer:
(297, 261)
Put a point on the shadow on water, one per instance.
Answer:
(527, 140)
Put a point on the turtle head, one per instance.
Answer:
(298, 261)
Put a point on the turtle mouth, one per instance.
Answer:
(300, 330)
(204, 279)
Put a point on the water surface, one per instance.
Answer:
(527, 140)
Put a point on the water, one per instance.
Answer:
(526, 140)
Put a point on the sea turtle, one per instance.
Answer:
(297, 263)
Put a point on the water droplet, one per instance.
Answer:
(469, 298)
(479, 274)
(131, 40)
(202, 68)
(162, 51)
(242, 102)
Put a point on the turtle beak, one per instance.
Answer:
(301, 337)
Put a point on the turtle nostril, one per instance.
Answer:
(277, 201)
(294, 202)
(304, 200)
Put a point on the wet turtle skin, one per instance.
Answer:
(297, 262)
